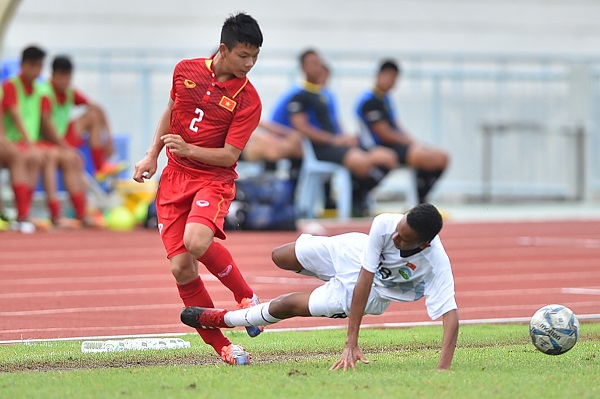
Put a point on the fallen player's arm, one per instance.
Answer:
(352, 353)
(450, 320)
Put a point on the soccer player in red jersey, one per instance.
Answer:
(64, 137)
(22, 115)
(93, 121)
(12, 159)
(212, 111)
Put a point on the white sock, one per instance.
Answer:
(253, 316)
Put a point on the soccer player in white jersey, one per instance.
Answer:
(401, 259)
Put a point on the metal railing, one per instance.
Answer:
(442, 99)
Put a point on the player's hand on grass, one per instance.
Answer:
(176, 144)
(350, 356)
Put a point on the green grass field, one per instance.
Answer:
(491, 361)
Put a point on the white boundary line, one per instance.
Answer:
(530, 241)
(507, 320)
(581, 291)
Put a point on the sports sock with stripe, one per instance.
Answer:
(220, 263)
(254, 316)
(194, 294)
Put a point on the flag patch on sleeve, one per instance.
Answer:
(227, 103)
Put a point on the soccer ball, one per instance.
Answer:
(554, 329)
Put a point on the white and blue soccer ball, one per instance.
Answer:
(554, 329)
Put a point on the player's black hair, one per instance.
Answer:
(389, 65)
(32, 53)
(62, 63)
(305, 54)
(425, 220)
(241, 28)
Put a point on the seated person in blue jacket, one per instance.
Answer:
(376, 113)
(308, 111)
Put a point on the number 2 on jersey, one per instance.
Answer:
(197, 119)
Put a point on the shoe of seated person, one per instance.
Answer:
(30, 226)
(93, 220)
(235, 355)
(23, 226)
(67, 223)
(109, 170)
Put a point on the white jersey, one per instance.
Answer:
(427, 273)
(339, 259)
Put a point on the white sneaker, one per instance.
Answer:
(24, 227)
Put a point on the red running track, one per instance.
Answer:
(66, 284)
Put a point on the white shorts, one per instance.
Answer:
(335, 260)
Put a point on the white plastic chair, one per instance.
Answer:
(310, 186)
(402, 180)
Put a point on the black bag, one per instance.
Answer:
(263, 202)
(151, 221)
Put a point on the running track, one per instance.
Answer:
(68, 284)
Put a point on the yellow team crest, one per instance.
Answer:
(227, 103)
(190, 84)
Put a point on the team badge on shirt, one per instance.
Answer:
(227, 103)
(189, 84)
(407, 270)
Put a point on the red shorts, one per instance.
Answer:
(72, 137)
(182, 199)
(45, 145)
(42, 145)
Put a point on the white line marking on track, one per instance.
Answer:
(287, 280)
(560, 242)
(587, 317)
(91, 329)
(581, 291)
(96, 279)
(109, 292)
(563, 276)
(590, 317)
(92, 309)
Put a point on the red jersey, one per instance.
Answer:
(78, 97)
(207, 113)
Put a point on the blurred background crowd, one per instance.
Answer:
(504, 94)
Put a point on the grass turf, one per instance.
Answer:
(491, 361)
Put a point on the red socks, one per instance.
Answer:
(79, 203)
(194, 294)
(22, 200)
(219, 262)
(98, 157)
(54, 208)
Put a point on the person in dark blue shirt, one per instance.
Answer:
(376, 113)
(309, 111)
